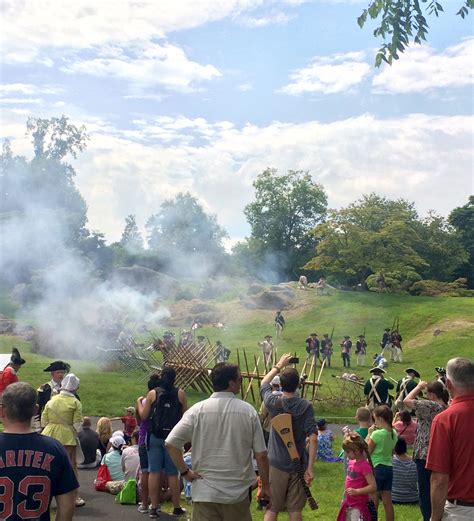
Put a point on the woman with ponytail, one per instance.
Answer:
(360, 480)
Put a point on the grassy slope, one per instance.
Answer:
(350, 312)
(105, 393)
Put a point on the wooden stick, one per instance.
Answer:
(250, 386)
(310, 371)
(247, 367)
(314, 380)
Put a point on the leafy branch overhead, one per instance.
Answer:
(401, 21)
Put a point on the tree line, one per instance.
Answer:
(374, 243)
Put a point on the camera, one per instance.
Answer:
(294, 360)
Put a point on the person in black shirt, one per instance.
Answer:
(33, 468)
(89, 444)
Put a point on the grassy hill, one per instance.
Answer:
(107, 393)
(348, 312)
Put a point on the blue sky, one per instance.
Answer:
(202, 96)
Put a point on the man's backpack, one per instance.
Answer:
(167, 411)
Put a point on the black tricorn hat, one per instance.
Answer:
(16, 359)
(57, 365)
(377, 370)
(441, 370)
(387, 329)
(412, 371)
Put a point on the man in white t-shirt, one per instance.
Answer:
(225, 432)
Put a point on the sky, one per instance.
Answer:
(203, 95)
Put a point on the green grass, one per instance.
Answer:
(107, 393)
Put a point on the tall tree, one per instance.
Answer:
(183, 231)
(372, 235)
(462, 218)
(286, 208)
(131, 237)
(41, 209)
(441, 247)
(402, 20)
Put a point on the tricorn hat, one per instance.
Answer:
(57, 365)
(412, 371)
(441, 370)
(16, 359)
(361, 336)
(387, 329)
(376, 370)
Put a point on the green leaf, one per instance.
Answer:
(362, 18)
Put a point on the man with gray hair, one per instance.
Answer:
(451, 450)
(34, 468)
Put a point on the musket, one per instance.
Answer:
(394, 323)
(332, 332)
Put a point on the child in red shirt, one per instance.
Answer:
(129, 423)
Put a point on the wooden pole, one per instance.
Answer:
(250, 386)
(248, 372)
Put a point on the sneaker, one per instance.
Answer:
(153, 513)
(142, 509)
(80, 502)
(178, 511)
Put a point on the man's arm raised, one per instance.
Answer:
(282, 363)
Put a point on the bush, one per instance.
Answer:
(435, 288)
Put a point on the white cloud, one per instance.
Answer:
(244, 87)
(421, 68)
(28, 89)
(132, 170)
(329, 74)
(30, 26)
(146, 65)
(278, 18)
(20, 101)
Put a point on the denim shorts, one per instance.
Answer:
(158, 457)
(143, 455)
(383, 477)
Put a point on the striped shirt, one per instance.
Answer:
(405, 481)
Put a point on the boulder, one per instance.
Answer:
(147, 281)
(7, 325)
(255, 288)
(276, 299)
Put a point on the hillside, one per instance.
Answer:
(348, 312)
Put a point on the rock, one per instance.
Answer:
(255, 288)
(184, 313)
(147, 281)
(7, 325)
(280, 298)
(438, 332)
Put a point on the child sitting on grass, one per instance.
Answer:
(325, 439)
(360, 481)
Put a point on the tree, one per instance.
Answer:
(131, 236)
(441, 247)
(286, 208)
(372, 235)
(401, 20)
(55, 138)
(184, 235)
(462, 218)
(41, 210)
